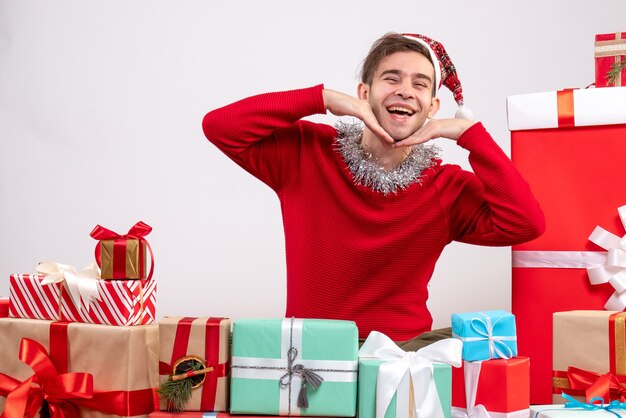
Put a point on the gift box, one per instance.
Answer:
(485, 335)
(588, 355)
(572, 171)
(114, 302)
(294, 367)
(190, 414)
(560, 411)
(501, 386)
(102, 370)
(610, 57)
(123, 256)
(4, 307)
(398, 384)
(202, 340)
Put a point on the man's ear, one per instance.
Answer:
(434, 107)
(363, 91)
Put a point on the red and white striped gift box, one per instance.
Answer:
(122, 302)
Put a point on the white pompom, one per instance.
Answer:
(464, 113)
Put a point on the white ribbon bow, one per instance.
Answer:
(487, 334)
(613, 270)
(82, 286)
(418, 364)
(471, 370)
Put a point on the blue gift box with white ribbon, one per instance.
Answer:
(486, 335)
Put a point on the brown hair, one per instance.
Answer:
(387, 45)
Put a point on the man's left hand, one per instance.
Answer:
(436, 128)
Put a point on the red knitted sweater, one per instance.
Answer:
(354, 253)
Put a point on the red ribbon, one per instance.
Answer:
(607, 386)
(211, 348)
(565, 108)
(64, 392)
(138, 232)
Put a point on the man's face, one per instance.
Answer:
(400, 94)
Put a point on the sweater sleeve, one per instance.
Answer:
(494, 205)
(262, 133)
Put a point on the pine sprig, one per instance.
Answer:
(614, 72)
(177, 393)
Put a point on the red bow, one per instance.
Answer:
(59, 390)
(607, 386)
(137, 231)
(65, 392)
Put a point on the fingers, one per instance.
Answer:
(372, 124)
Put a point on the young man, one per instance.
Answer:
(367, 210)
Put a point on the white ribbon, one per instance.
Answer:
(418, 364)
(82, 286)
(471, 371)
(613, 269)
(274, 369)
(487, 334)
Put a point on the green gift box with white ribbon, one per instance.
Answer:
(398, 384)
(294, 367)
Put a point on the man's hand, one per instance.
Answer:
(436, 128)
(341, 104)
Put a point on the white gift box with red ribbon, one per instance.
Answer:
(567, 108)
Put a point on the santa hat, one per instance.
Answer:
(445, 72)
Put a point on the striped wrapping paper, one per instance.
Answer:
(123, 302)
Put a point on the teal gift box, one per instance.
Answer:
(294, 367)
(486, 335)
(368, 374)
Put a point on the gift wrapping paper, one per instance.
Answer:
(122, 302)
(559, 411)
(207, 338)
(269, 357)
(4, 307)
(609, 49)
(122, 363)
(394, 383)
(199, 414)
(123, 256)
(485, 335)
(368, 374)
(502, 387)
(589, 347)
(567, 109)
(572, 172)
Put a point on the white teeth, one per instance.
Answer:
(400, 109)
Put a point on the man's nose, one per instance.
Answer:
(405, 90)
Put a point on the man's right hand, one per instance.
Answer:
(341, 104)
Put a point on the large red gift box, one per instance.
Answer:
(502, 388)
(570, 147)
(610, 51)
(122, 302)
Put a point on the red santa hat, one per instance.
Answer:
(445, 72)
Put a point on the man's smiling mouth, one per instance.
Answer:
(402, 111)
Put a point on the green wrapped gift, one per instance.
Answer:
(398, 384)
(294, 367)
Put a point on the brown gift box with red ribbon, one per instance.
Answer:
(81, 370)
(610, 54)
(589, 355)
(206, 339)
(123, 256)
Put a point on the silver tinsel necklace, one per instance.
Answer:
(368, 172)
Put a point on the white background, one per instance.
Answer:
(101, 105)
